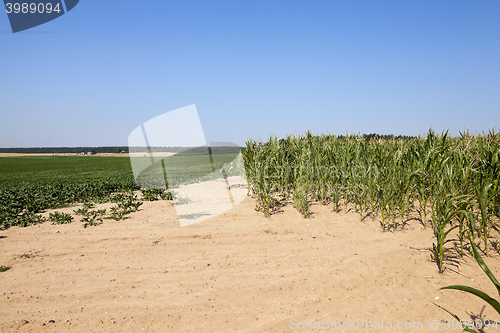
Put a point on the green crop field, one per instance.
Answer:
(183, 169)
(31, 184)
(46, 169)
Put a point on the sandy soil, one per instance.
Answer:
(201, 201)
(236, 272)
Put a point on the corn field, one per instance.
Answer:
(447, 183)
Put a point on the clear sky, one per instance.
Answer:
(253, 69)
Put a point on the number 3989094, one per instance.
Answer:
(32, 8)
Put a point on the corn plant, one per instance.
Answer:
(359, 189)
(383, 206)
(465, 207)
(495, 304)
(300, 196)
(443, 213)
(336, 194)
(482, 196)
(373, 179)
(385, 176)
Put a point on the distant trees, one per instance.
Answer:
(113, 150)
(375, 136)
(65, 150)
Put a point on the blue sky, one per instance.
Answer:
(253, 69)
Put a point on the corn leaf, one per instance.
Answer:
(491, 301)
(456, 317)
(485, 268)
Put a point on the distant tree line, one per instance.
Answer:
(117, 150)
(212, 150)
(375, 136)
(64, 150)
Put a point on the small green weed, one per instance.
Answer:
(157, 241)
(28, 255)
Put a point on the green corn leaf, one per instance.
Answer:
(485, 268)
(491, 301)
(456, 317)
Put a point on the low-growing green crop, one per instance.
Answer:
(85, 208)
(116, 213)
(129, 204)
(81, 211)
(154, 194)
(166, 196)
(25, 219)
(117, 197)
(92, 218)
(151, 194)
(60, 218)
(30, 185)
(88, 205)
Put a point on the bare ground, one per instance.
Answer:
(238, 271)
